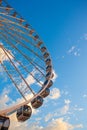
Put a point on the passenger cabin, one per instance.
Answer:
(46, 55)
(37, 102)
(45, 93)
(8, 8)
(48, 85)
(48, 68)
(31, 32)
(43, 49)
(14, 14)
(48, 62)
(36, 37)
(48, 75)
(39, 44)
(0, 2)
(24, 113)
(4, 123)
(26, 25)
(21, 20)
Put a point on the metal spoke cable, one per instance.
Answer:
(24, 67)
(21, 52)
(11, 7)
(20, 25)
(21, 32)
(8, 42)
(23, 38)
(17, 24)
(16, 39)
(8, 22)
(5, 38)
(18, 71)
(23, 46)
(12, 80)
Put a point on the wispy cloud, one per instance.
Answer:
(76, 108)
(55, 93)
(3, 56)
(55, 124)
(4, 98)
(74, 51)
(71, 49)
(84, 95)
(85, 36)
(60, 124)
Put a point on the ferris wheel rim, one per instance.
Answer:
(14, 108)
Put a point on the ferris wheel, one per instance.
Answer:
(26, 63)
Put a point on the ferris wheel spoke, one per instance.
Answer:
(16, 38)
(13, 38)
(19, 34)
(24, 67)
(18, 71)
(29, 33)
(29, 59)
(12, 80)
(16, 29)
(28, 30)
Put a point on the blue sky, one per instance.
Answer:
(63, 27)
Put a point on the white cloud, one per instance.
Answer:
(74, 51)
(4, 98)
(55, 75)
(85, 36)
(63, 57)
(76, 108)
(71, 49)
(48, 117)
(60, 124)
(57, 124)
(3, 56)
(67, 101)
(55, 93)
(85, 96)
(64, 110)
(30, 79)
